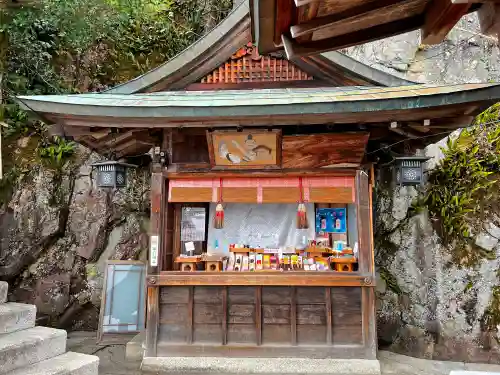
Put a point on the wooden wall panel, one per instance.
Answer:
(172, 333)
(311, 335)
(321, 150)
(310, 295)
(347, 315)
(311, 314)
(174, 313)
(207, 313)
(276, 295)
(239, 195)
(331, 195)
(189, 148)
(193, 195)
(240, 295)
(174, 295)
(241, 314)
(276, 334)
(241, 334)
(207, 333)
(280, 195)
(285, 317)
(276, 314)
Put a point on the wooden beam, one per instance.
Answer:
(299, 3)
(294, 50)
(298, 278)
(285, 16)
(338, 20)
(440, 17)
(474, 1)
(489, 19)
(404, 133)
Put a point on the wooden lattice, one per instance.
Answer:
(247, 65)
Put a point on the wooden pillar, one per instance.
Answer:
(155, 259)
(364, 217)
(366, 259)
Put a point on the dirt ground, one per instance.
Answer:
(113, 361)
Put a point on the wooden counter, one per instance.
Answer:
(262, 278)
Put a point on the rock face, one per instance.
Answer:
(428, 306)
(58, 231)
(466, 56)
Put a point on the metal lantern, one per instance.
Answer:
(409, 170)
(112, 174)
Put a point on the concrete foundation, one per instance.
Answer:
(282, 366)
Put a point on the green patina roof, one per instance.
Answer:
(262, 102)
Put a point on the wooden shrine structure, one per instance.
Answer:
(228, 124)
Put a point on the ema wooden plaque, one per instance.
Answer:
(245, 149)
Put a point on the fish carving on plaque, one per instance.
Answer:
(245, 149)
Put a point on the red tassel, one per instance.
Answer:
(219, 217)
(302, 222)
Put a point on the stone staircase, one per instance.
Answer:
(29, 350)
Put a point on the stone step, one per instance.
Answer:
(4, 289)
(16, 317)
(66, 364)
(33, 345)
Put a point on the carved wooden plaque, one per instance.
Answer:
(245, 149)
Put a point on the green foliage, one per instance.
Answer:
(72, 46)
(462, 191)
(56, 153)
(88, 45)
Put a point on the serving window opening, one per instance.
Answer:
(265, 237)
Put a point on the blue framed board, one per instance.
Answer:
(331, 220)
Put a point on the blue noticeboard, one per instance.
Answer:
(331, 220)
(123, 305)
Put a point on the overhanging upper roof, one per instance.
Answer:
(264, 104)
(225, 39)
(306, 27)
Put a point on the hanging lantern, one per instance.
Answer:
(302, 222)
(112, 174)
(219, 211)
(409, 170)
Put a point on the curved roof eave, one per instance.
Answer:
(198, 59)
(368, 73)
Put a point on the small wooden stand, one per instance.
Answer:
(188, 264)
(344, 264)
(213, 263)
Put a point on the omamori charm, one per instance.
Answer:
(219, 217)
(302, 222)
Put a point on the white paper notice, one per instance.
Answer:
(153, 259)
(189, 246)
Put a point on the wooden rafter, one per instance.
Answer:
(489, 18)
(440, 17)
(294, 50)
(383, 9)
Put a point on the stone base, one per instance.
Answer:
(134, 350)
(282, 366)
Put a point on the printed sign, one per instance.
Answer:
(330, 220)
(153, 248)
(193, 224)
